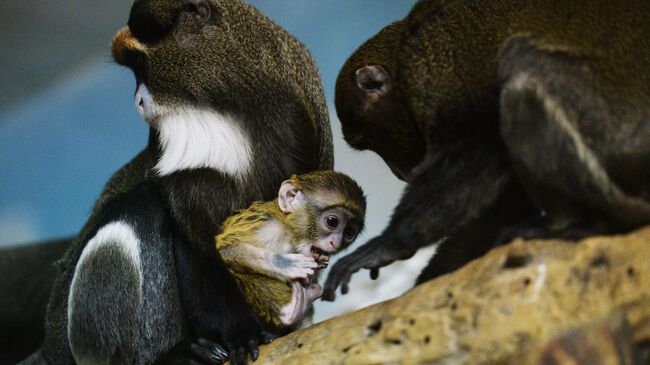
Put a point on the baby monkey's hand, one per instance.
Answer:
(296, 266)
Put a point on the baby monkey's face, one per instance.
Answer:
(337, 229)
(327, 217)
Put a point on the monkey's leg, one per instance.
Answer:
(481, 234)
(105, 298)
(291, 313)
(122, 304)
(547, 100)
(313, 292)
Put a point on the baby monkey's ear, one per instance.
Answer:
(289, 197)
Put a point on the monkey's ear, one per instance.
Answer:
(289, 196)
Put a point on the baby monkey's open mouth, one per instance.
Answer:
(321, 256)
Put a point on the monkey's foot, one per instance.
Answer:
(313, 292)
(293, 312)
(238, 354)
(302, 298)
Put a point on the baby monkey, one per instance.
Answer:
(274, 249)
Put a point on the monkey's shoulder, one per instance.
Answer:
(246, 224)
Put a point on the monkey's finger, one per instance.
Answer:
(266, 337)
(253, 348)
(203, 354)
(341, 273)
(218, 354)
(374, 273)
(211, 345)
(344, 284)
(339, 276)
(329, 294)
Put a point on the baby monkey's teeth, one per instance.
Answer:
(317, 252)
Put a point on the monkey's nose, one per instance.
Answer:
(373, 79)
(126, 49)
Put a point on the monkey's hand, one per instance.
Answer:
(238, 353)
(194, 350)
(376, 253)
(323, 261)
(295, 266)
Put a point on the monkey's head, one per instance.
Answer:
(328, 206)
(208, 62)
(373, 111)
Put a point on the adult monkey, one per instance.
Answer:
(507, 118)
(235, 106)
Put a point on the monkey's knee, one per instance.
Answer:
(105, 298)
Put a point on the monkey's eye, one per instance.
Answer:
(332, 222)
(349, 233)
(198, 8)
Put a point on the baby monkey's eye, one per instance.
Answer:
(332, 222)
(199, 8)
(349, 232)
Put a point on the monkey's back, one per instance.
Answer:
(450, 49)
(450, 53)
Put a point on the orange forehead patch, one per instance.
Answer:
(125, 41)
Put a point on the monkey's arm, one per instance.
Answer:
(442, 197)
(249, 258)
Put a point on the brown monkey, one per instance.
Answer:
(506, 118)
(274, 249)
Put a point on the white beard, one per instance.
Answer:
(192, 138)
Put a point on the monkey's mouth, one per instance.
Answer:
(319, 254)
(144, 104)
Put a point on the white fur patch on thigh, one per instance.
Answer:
(119, 236)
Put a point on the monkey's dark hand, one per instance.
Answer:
(376, 253)
(238, 352)
(194, 351)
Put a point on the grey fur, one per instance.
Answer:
(281, 262)
(111, 337)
